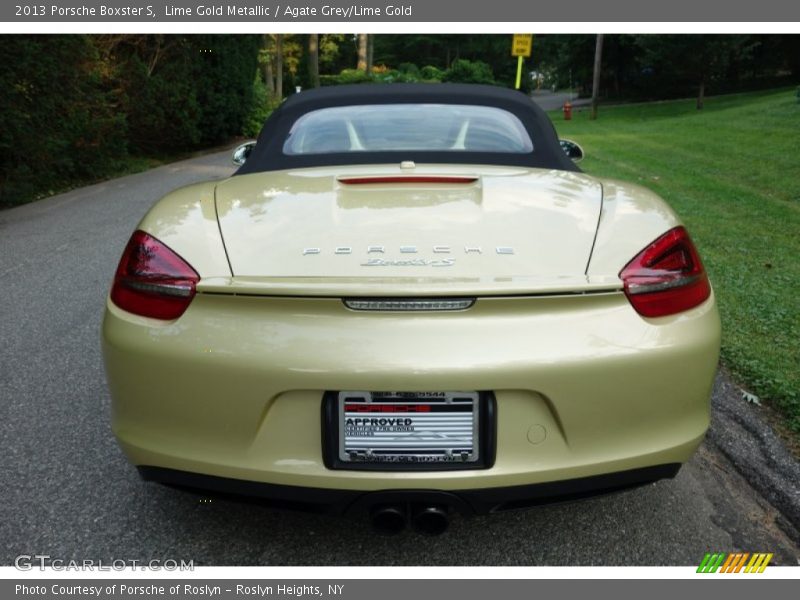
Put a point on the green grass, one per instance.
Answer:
(732, 172)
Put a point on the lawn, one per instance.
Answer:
(732, 172)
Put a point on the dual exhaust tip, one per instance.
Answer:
(392, 519)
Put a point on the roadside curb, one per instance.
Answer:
(754, 449)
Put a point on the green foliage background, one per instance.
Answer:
(57, 115)
(77, 108)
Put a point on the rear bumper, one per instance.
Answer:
(466, 502)
(584, 386)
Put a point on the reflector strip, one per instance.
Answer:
(636, 288)
(167, 289)
(410, 305)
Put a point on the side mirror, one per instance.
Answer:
(572, 149)
(242, 152)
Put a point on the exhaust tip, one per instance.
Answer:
(431, 520)
(388, 519)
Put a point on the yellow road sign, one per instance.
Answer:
(521, 45)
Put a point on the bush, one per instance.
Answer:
(224, 83)
(466, 71)
(198, 93)
(431, 73)
(352, 76)
(409, 69)
(355, 76)
(57, 117)
(394, 76)
(162, 107)
(380, 74)
(262, 106)
(72, 106)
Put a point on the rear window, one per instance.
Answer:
(401, 127)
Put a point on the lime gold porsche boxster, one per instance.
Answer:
(408, 301)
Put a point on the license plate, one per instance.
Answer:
(408, 427)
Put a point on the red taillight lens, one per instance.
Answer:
(152, 280)
(667, 277)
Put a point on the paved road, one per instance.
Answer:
(68, 492)
(554, 101)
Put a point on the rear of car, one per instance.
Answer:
(474, 337)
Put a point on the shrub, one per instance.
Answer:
(161, 105)
(466, 71)
(57, 116)
(262, 106)
(431, 73)
(352, 76)
(199, 92)
(394, 76)
(409, 69)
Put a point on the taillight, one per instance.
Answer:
(152, 281)
(667, 277)
(456, 179)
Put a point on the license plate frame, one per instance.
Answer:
(334, 439)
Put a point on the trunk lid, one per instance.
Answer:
(482, 224)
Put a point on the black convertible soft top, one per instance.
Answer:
(268, 153)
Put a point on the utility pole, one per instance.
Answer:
(598, 58)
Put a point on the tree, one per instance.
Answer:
(279, 65)
(313, 59)
(59, 115)
(565, 60)
(265, 58)
(790, 48)
(333, 55)
(697, 60)
(361, 65)
(598, 61)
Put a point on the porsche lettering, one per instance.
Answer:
(436, 249)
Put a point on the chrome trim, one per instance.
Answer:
(408, 249)
(409, 262)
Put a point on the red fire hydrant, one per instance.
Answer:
(567, 111)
